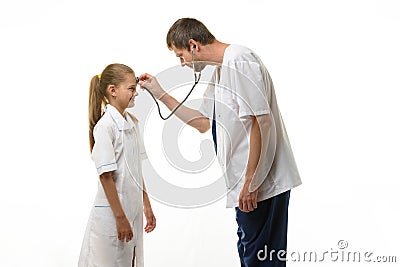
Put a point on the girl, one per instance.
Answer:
(114, 233)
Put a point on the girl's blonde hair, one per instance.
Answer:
(113, 74)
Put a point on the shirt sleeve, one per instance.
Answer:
(103, 153)
(249, 85)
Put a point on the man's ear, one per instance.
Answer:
(193, 45)
(111, 89)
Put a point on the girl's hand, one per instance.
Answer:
(124, 229)
(150, 219)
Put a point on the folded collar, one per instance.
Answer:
(121, 122)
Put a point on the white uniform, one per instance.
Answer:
(118, 148)
(242, 88)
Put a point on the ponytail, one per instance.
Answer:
(97, 101)
(112, 74)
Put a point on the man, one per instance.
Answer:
(249, 135)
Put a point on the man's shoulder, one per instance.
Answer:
(237, 53)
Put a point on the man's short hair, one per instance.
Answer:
(185, 29)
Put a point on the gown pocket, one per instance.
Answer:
(104, 222)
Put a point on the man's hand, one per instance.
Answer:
(150, 83)
(247, 200)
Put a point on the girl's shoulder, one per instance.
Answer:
(105, 123)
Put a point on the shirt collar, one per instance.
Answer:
(121, 122)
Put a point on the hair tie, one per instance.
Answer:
(99, 76)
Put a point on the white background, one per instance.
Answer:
(335, 66)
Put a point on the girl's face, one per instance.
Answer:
(125, 92)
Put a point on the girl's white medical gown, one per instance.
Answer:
(118, 148)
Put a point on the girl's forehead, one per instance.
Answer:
(127, 82)
(130, 78)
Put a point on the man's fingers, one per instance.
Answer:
(254, 203)
(141, 83)
(249, 206)
(248, 202)
(245, 206)
(145, 76)
(241, 205)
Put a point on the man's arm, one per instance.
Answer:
(259, 139)
(189, 116)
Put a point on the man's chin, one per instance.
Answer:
(200, 67)
(131, 104)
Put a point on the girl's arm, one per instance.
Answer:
(124, 228)
(148, 212)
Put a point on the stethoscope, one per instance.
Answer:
(197, 77)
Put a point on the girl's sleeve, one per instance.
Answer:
(103, 150)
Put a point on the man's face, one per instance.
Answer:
(185, 58)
